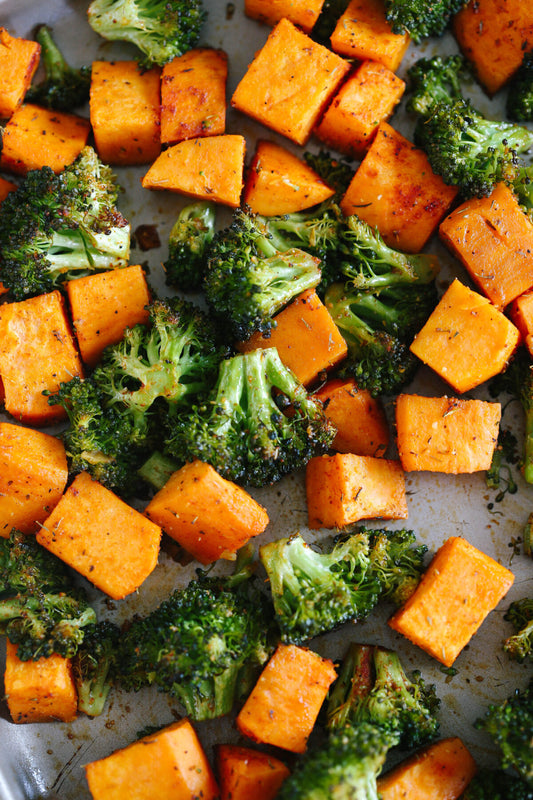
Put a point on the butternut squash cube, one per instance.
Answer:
(290, 82)
(363, 32)
(245, 773)
(359, 418)
(168, 764)
(396, 191)
(101, 537)
(345, 488)
(461, 586)
(521, 313)
(466, 340)
(282, 708)
(39, 691)
(303, 13)
(19, 59)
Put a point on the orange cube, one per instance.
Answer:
(19, 59)
(445, 434)
(245, 773)
(303, 13)
(345, 488)
(363, 32)
(101, 537)
(209, 516)
(37, 353)
(33, 476)
(521, 313)
(193, 95)
(39, 691)
(366, 99)
(125, 112)
(306, 338)
(6, 187)
(282, 708)
(466, 340)
(359, 418)
(290, 82)
(103, 305)
(461, 586)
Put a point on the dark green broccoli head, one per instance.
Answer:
(64, 87)
(188, 244)
(397, 561)
(421, 19)
(519, 104)
(496, 784)
(435, 80)
(94, 666)
(519, 645)
(337, 173)
(29, 568)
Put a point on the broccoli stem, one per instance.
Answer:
(54, 62)
(157, 469)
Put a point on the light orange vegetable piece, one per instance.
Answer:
(446, 434)
(246, 774)
(345, 488)
(493, 239)
(36, 137)
(168, 764)
(37, 352)
(193, 95)
(466, 340)
(441, 771)
(461, 586)
(39, 691)
(125, 112)
(521, 313)
(363, 32)
(33, 476)
(283, 705)
(207, 168)
(303, 13)
(360, 420)
(19, 59)
(103, 305)
(209, 516)
(278, 182)
(290, 82)
(101, 537)
(306, 338)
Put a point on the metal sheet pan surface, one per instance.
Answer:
(39, 760)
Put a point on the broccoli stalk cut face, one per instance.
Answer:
(519, 646)
(421, 19)
(188, 244)
(520, 92)
(64, 87)
(161, 29)
(94, 666)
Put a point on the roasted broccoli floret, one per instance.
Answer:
(203, 645)
(373, 687)
(94, 666)
(397, 561)
(435, 80)
(64, 87)
(519, 103)
(161, 29)
(57, 227)
(519, 645)
(241, 428)
(248, 280)
(420, 18)
(27, 567)
(336, 172)
(188, 242)
(496, 784)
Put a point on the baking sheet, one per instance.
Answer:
(47, 759)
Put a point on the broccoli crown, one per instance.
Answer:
(94, 665)
(241, 428)
(188, 244)
(161, 29)
(519, 645)
(509, 724)
(496, 784)
(337, 173)
(57, 227)
(421, 19)
(27, 567)
(469, 151)
(248, 280)
(435, 80)
(64, 87)
(397, 561)
(519, 104)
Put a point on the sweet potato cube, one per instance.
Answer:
(363, 32)
(367, 98)
(303, 13)
(493, 35)
(193, 95)
(37, 352)
(306, 338)
(36, 137)
(461, 586)
(168, 764)
(6, 187)
(282, 707)
(39, 691)
(493, 239)
(244, 773)
(206, 168)
(360, 420)
(19, 59)
(103, 305)
(33, 476)
(125, 112)
(278, 182)
(345, 488)
(104, 539)
(521, 313)
(209, 516)
(290, 82)
(440, 771)
(466, 340)
(446, 434)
